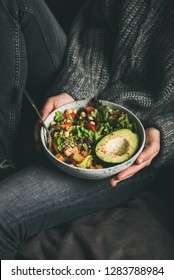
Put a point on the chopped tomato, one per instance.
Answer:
(89, 109)
(65, 115)
(90, 126)
(66, 125)
(116, 115)
(72, 115)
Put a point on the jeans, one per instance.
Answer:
(40, 196)
(31, 50)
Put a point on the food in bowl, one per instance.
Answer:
(118, 146)
(94, 136)
(108, 169)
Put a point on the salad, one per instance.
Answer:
(76, 132)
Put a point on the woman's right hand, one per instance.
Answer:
(51, 104)
(54, 102)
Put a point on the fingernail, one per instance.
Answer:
(115, 183)
(140, 160)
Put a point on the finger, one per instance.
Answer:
(47, 108)
(144, 160)
(132, 169)
(128, 172)
(120, 176)
(152, 145)
(113, 182)
(150, 151)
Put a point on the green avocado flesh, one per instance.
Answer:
(117, 146)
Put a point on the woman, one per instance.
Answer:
(118, 50)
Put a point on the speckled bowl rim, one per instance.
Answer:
(85, 101)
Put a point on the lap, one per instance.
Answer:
(42, 196)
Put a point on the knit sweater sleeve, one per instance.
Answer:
(85, 69)
(143, 73)
(166, 128)
(122, 51)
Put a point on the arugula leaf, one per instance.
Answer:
(58, 116)
(59, 144)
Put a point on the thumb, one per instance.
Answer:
(152, 145)
(47, 109)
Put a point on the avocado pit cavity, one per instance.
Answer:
(117, 146)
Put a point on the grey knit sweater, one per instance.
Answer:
(123, 51)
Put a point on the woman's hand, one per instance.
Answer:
(51, 104)
(152, 148)
(54, 102)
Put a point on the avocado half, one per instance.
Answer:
(117, 146)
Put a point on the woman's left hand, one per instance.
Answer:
(152, 148)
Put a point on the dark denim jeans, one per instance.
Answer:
(31, 50)
(40, 196)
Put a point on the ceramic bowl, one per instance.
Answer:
(93, 173)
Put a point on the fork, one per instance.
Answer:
(48, 138)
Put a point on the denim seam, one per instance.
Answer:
(16, 84)
(33, 13)
(17, 70)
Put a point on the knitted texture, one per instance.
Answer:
(123, 51)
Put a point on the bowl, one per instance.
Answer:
(93, 173)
